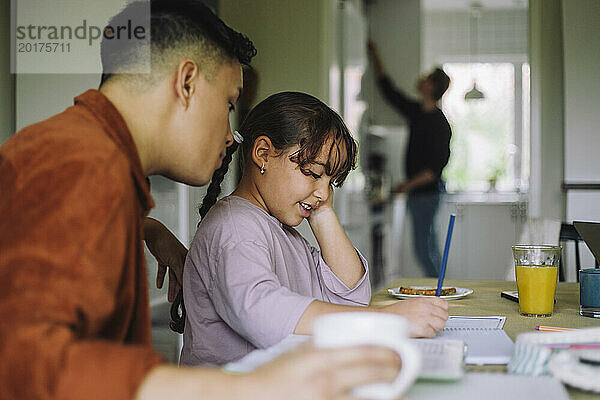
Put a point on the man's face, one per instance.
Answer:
(202, 132)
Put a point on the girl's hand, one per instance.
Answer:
(324, 210)
(426, 315)
(336, 248)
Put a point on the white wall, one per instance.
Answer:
(565, 90)
(546, 198)
(501, 33)
(581, 36)
(294, 42)
(39, 96)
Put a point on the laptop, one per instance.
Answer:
(590, 233)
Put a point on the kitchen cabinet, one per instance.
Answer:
(483, 238)
(486, 227)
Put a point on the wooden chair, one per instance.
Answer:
(568, 232)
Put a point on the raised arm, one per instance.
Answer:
(395, 97)
(336, 248)
(376, 59)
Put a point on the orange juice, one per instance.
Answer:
(536, 287)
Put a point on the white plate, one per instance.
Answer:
(567, 367)
(460, 292)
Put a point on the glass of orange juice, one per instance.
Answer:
(536, 267)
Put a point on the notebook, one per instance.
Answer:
(486, 341)
(442, 360)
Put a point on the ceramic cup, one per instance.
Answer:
(371, 328)
(589, 292)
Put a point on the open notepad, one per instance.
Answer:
(443, 356)
(441, 360)
(486, 341)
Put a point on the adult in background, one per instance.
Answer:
(427, 155)
(74, 309)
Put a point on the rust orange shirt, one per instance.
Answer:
(74, 309)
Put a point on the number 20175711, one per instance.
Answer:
(43, 47)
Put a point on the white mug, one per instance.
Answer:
(372, 328)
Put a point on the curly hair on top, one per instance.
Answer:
(174, 24)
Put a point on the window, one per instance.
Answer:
(488, 147)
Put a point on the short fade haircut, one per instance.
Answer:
(178, 29)
(441, 81)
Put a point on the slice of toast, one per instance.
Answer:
(427, 292)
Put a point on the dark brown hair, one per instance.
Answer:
(441, 81)
(175, 24)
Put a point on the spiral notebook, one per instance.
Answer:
(486, 341)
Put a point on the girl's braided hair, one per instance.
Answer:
(177, 323)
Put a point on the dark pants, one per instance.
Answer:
(423, 208)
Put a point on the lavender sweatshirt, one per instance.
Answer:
(247, 281)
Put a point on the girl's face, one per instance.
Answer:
(291, 193)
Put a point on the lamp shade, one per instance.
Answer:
(474, 93)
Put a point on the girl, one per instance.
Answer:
(250, 278)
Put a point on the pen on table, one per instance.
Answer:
(438, 292)
(574, 346)
(543, 328)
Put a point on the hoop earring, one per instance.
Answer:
(262, 169)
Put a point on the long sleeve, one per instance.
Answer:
(69, 302)
(397, 99)
(336, 291)
(250, 298)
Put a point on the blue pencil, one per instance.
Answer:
(438, 292)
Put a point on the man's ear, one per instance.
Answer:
(185, 80)
(262, 150)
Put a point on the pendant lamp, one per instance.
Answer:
(474, 14)
(474, 93)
